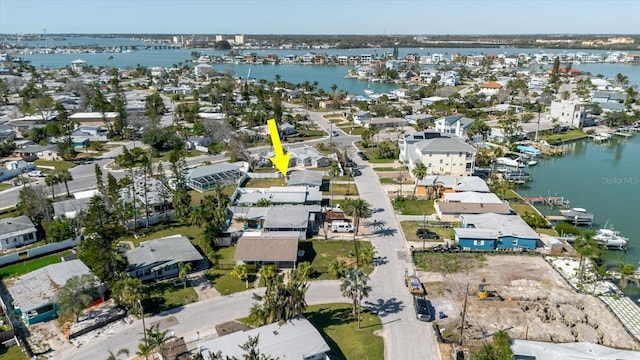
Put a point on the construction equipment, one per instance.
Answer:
(482, 290)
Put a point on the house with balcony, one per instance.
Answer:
(438, 186)
(572, 113)
(453, 125)
(441, 155)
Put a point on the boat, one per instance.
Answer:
(532, 162)
(512, 160)
(369, 91)
(601, 136)
(611, 239)
(577, 216)
(517, 176)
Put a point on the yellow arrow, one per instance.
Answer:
(281, 160)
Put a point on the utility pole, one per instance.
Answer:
(144, 327)
(464, 313)
(424, 226)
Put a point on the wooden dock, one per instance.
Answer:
(547, 200)
(548, 150)
(625, 134)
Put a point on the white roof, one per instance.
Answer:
(457, 183)
(578, 350)
(93, 115)
(504, 225)
(472, 197)
(295, 339)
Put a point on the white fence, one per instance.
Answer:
(41, 250)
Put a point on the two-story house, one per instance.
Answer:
(443, 155)
(454, 125)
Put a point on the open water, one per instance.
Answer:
(603, 178)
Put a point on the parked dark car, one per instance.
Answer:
(350, 162)
(356, 173)
(427, 234)
(422, 309)
(363, 156)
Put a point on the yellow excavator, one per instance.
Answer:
(482, 290)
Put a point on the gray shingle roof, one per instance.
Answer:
(212, 170)
(39, 287)
(15, 224)
(257, 248)
(444, 144)
(290, 217)
(163, 252)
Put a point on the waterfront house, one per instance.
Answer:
(294, 339)
(407, 142)
(16, 232)
(438, 185)
(454, 204)
(572, 113)
(442, 155)
(278, 247)
(33, 295)
(78, 65)
(532, 350)
(160, 258)
(418, 119)
(495, 232)
(455, 125)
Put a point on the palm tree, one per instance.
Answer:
(158, 339)
(419, 171)
(198, 217)
(144, 349)
(359, 209)
(115, 356)
(367, 253)
(626, 273)
(588, 248)
(51, 180)
(65, 177)
(268, 273)
(354, 286)
(184, 270)
(622, 79)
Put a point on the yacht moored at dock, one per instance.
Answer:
(577, 216)
(611, 239)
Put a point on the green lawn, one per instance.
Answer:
(414, 207)
(225, 283)
(320, 253)
(352, 130)
(265, 183)
(340, 329)
(389, 168)
(196, 196)
(409, 229)
(164, 296)
(162, 230)
(342, 189)
(12, 353)
(30, 265)
(5, 186)
(571, 134)
(382, 161)
(58, 164)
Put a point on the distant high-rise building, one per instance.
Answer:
(239, 39)
(219, 38)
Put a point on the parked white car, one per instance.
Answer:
(35, 173)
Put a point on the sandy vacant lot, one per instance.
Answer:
(527, 298)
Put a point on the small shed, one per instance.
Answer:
(554, 245)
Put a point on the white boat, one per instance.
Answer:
(601, 136)
(532, 162)
(510, 160)
(611, 239)
(368, 91)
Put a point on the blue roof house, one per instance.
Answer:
(492, 231)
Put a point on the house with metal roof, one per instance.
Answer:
(407, 142)
(278, 195)
(295, 339)
(304, 220)
(274, 247)
(160, 258)
(493, 231)
(205, 178)
(538, 350)
(305, 178)
(33, 295)
(94, 118)
(16, 232)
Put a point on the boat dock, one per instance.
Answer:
(621, 133)
(548, 149)
(625, 310)
(547, 200)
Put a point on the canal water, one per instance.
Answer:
(603, 178)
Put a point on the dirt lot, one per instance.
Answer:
(526, 297)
